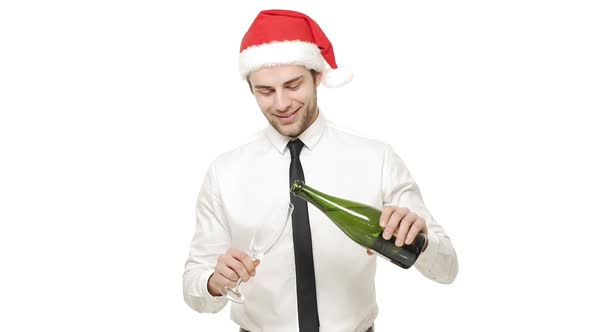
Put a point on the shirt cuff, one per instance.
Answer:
(428, 257)
(203, 289)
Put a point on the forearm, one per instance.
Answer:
(439, 261)
(211, 240)
(196, 292)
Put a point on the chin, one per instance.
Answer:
(288, 131)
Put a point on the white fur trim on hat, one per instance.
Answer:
(281, 53)
(335, 78)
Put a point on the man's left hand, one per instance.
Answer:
(401, 223)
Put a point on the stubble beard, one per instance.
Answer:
(307, 116)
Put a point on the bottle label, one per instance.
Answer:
(400, 256)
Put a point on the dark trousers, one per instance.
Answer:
(371, 329)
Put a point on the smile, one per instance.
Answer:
(287, 119)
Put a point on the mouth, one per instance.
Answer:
(287, 118)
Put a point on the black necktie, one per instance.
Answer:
(307, 306)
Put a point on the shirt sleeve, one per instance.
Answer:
(211, 240)
(439, 261)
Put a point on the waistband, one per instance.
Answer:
(371, 329)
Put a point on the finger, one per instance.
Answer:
(370, 252)
(238, 268)
(226, 283)
(227, 273)
(416, 228)
(248, 264)
(403, 229)
(244, 259)
(394, 222)
(220, 281)
(386, 214)
(236, 253)
(224, 270)
(256, 263)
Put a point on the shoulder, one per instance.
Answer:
(235, 154)
(356, 139)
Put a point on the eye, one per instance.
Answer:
(265, 92)
(294, 87)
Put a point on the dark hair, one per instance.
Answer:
(314, 75)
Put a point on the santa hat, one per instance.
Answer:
(281, 37)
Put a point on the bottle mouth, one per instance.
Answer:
(296, 186)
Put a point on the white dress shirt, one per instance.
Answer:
(242, 184)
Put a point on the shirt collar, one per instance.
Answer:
(310, 137)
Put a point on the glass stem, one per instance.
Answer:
(238, 284)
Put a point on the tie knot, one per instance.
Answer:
(295, 147)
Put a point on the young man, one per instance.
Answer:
(316, 278)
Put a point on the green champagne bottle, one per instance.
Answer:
(361, 223)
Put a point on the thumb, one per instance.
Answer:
(370, 252)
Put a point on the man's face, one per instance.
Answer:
(287, 97)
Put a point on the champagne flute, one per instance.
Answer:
(266, 236)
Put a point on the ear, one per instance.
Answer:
(318, 78)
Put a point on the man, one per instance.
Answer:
(315, 278)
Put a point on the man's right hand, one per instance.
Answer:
(231, 266)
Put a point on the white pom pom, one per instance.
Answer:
(335, 78)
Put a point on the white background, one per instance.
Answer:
(111, 111)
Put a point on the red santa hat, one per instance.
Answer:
(281, 37)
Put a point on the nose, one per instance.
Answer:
(282, 100)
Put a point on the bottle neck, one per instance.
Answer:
(318, 199)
